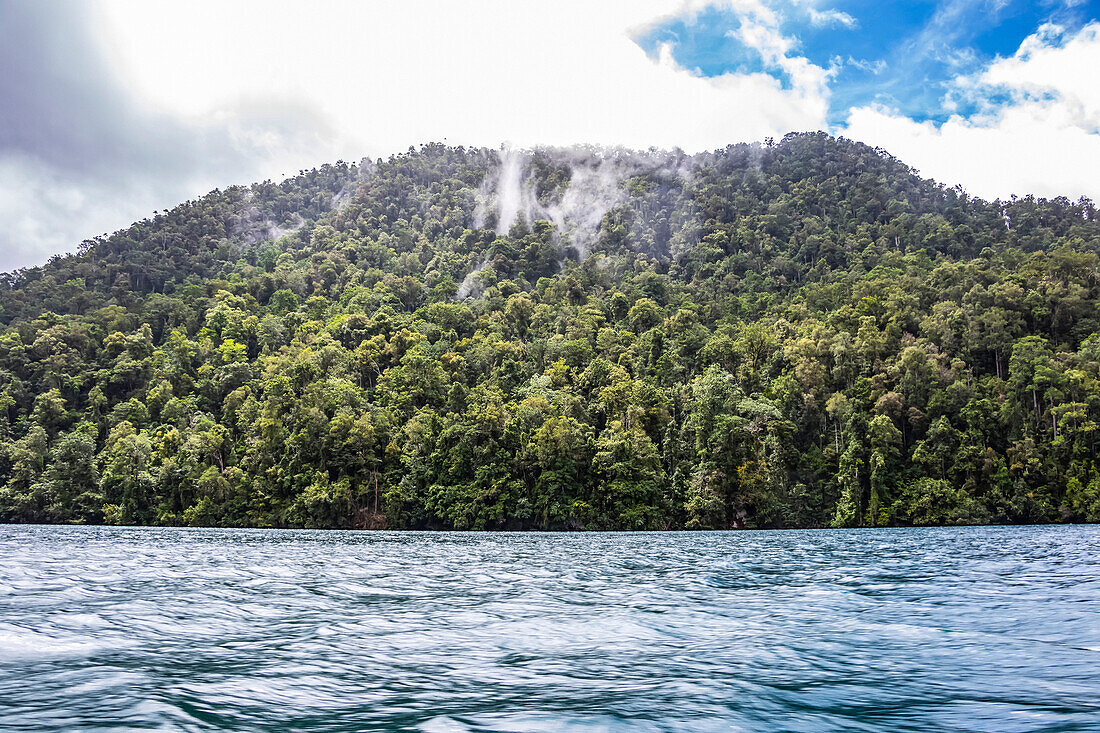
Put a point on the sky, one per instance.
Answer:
(111, 110)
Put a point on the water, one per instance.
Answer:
(983, 629)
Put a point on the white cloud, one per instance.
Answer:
(832, 17)
(1043, 65)
(383, 76)
(258, 89)
(1031, 148)
(1044, 142)
(759, 28)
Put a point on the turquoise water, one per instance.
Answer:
(983, 629)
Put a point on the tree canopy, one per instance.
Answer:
(798, 334)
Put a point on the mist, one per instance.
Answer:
(595, 181)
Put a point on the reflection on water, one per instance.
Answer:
(984, 629)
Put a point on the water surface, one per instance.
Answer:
(973, 629)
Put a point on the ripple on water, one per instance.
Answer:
(983, 629)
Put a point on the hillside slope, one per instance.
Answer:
(803, 333)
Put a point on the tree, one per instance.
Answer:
(629, 467)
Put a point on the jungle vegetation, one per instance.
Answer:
(800, 333)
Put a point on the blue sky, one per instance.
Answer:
(905, 56)
(113, 109)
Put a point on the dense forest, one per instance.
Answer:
(800, 333)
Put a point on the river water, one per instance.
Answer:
(972, 629)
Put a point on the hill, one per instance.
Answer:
(794, 334)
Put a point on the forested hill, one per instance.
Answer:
(801, 333)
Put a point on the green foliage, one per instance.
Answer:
(803, 334)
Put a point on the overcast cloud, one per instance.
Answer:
(114, 109)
